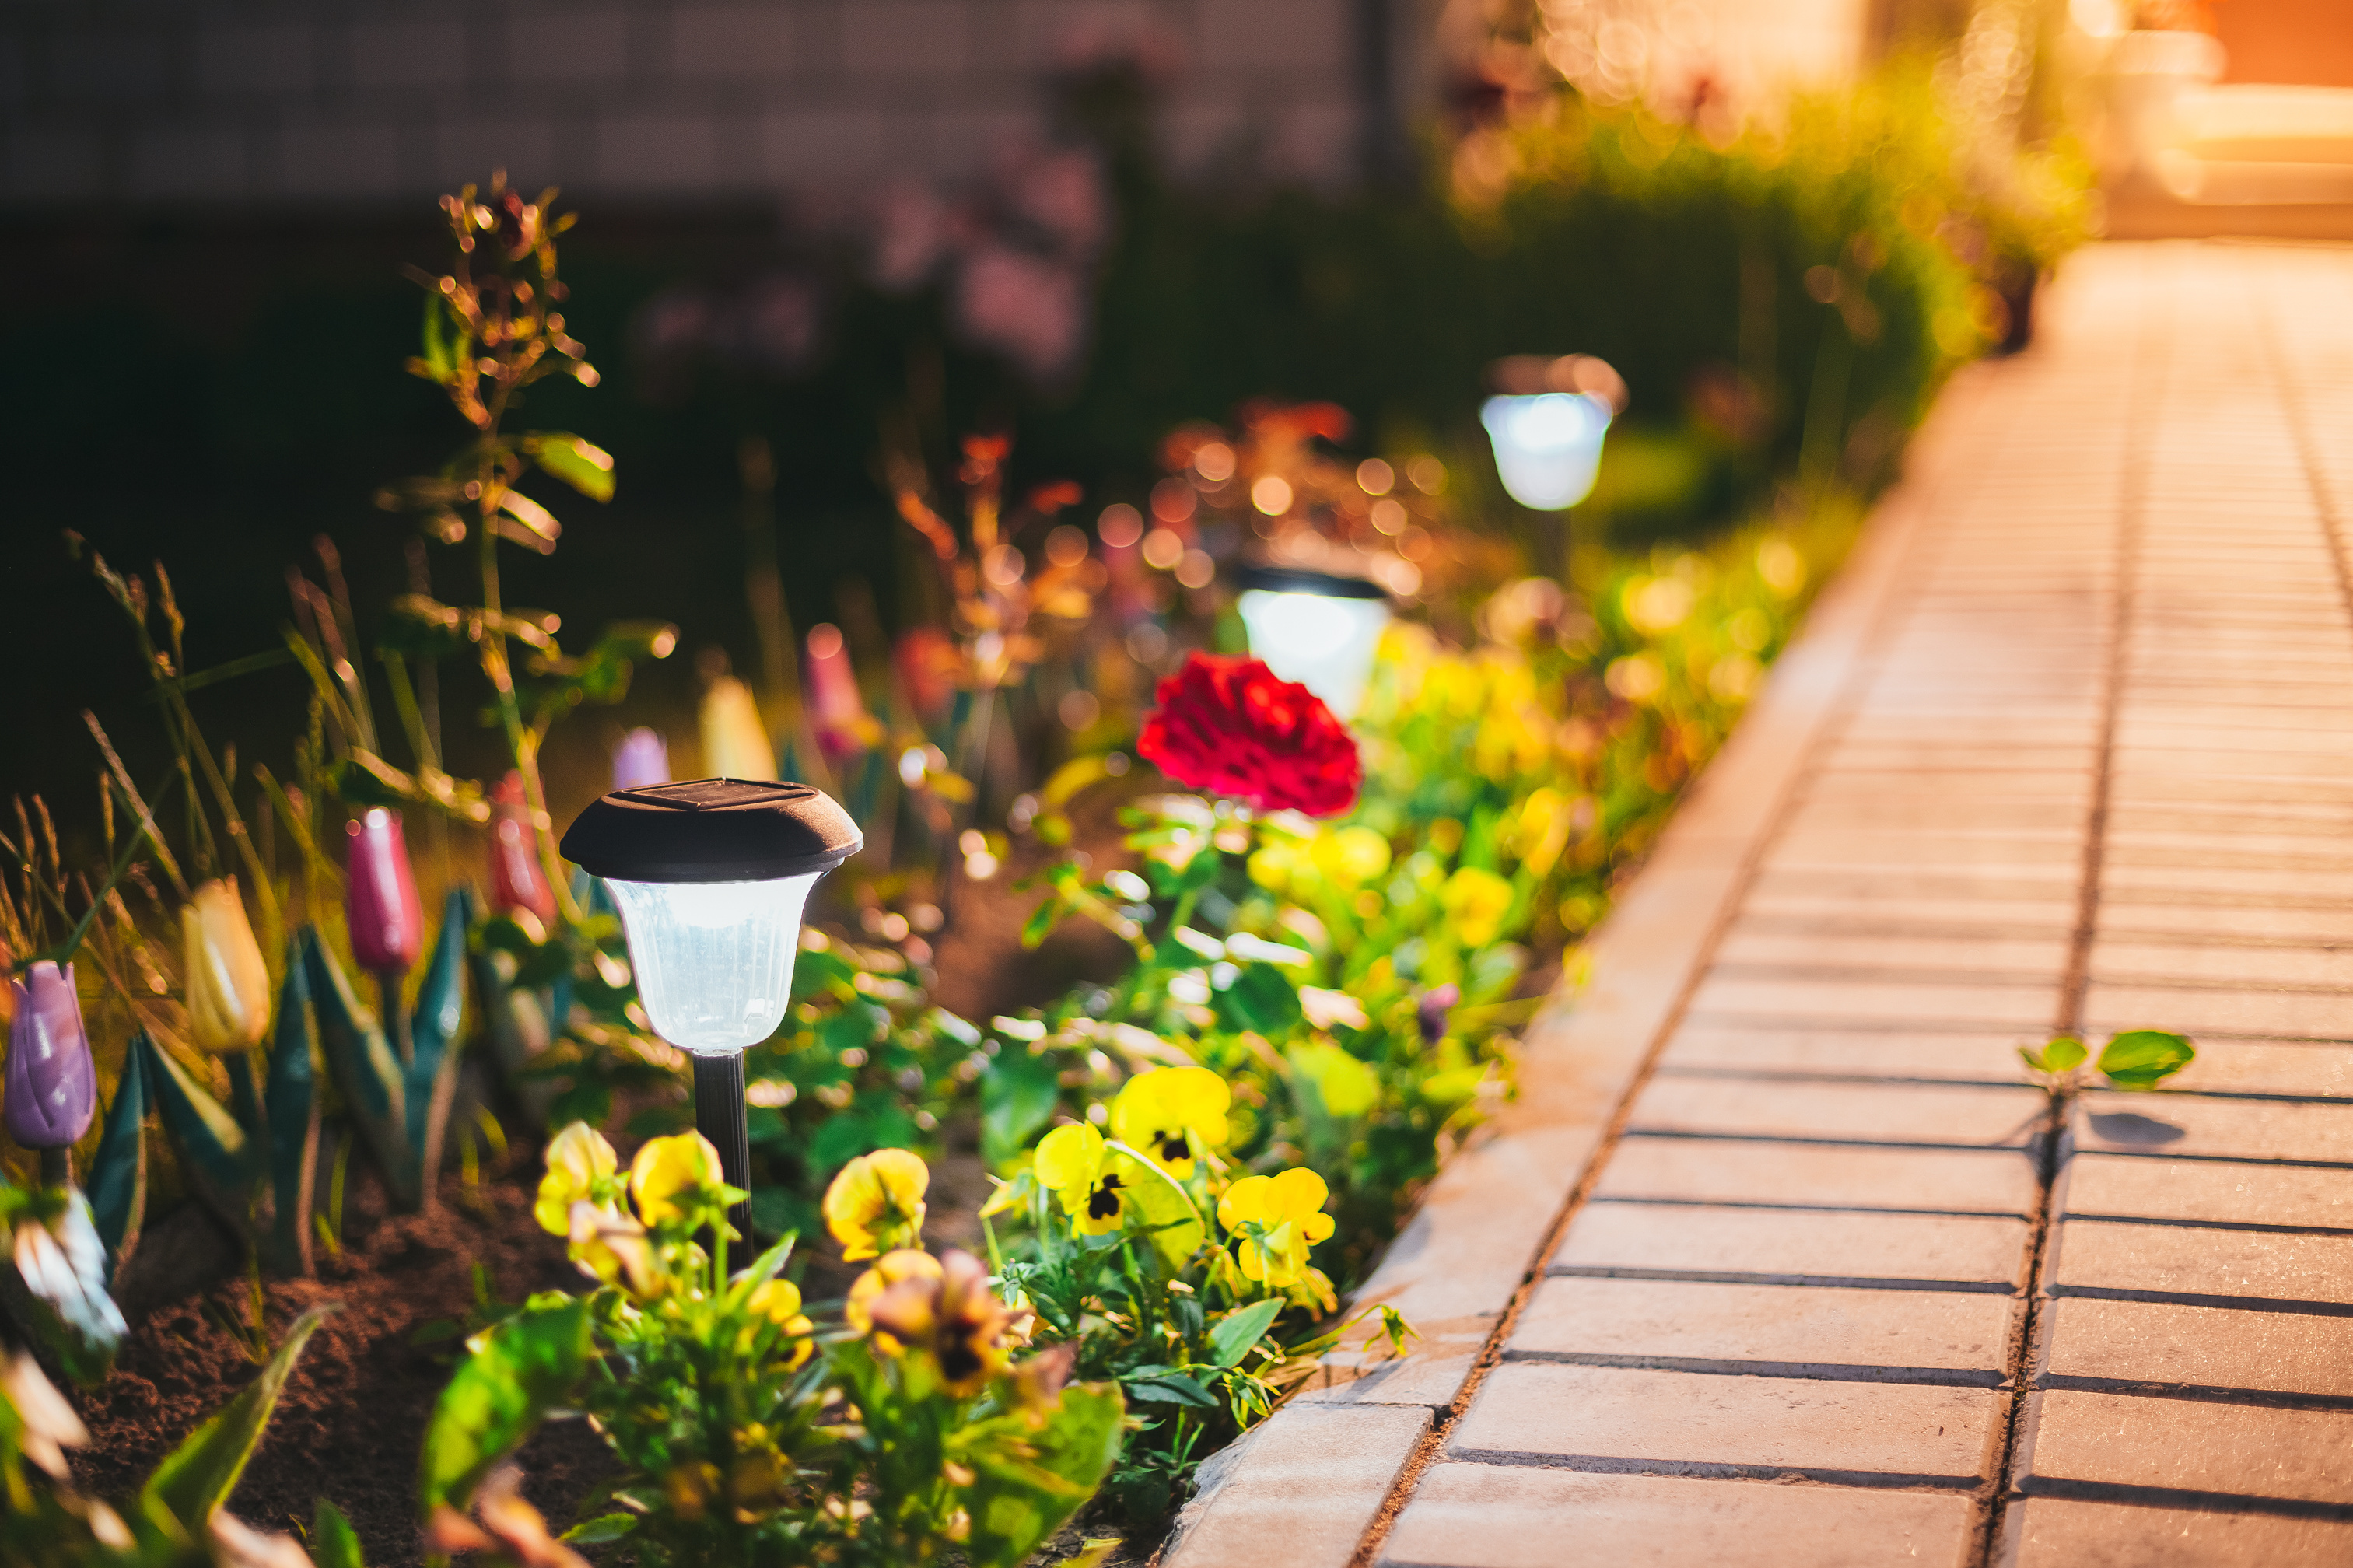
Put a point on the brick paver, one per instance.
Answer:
(1777, 1259)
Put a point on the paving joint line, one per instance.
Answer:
(1790, 1282)
(1705, 1469)
(2026, 1346)
(1871, 647)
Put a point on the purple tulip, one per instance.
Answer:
(380, 904)
(52, 1087)
(642, 758)
(1435, 1005)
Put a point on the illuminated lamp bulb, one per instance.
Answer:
(1317, 628)
(1547, 444)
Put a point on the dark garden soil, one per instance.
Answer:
(352, 1418)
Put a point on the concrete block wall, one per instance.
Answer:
(144, 104)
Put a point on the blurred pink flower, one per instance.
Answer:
(1028, 308)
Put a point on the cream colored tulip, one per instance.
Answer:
(227, 982)
(734, 742)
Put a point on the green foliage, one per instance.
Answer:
(740, 1432)
(517, 1370)
(2135, 1059)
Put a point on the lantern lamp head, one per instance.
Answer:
(1315, 627)
(1547, 425)
(710, 877)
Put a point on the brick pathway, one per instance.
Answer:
(1777, 1260)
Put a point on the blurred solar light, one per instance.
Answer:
(1547, 422)
(1317, 628)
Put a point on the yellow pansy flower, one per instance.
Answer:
(1476, 902)
(1070, 1163)
(1286, 1211)
(876, 1202)
(779, 1302)
(1171, 1114)
(672, 1174)
(227, 982)
(579, 1162)
(1351, 857)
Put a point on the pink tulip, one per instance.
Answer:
(516, 881)
(380, 903)
(836, 707)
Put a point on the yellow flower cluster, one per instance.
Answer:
(675, 1183)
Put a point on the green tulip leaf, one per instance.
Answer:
(365, 1070)
(217, 1157)
(434, 1027)
(2143, 1059)
(118, 1172)
(291, 1099)
(518, 1370)
(201, 1472)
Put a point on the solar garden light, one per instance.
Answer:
(710, 877)
(1547, 422)
(1315, 627)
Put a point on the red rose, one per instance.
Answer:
(1230, 726)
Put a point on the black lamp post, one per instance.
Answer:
(710, 877)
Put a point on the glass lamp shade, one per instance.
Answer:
(1325, 641)
(1547, 444)
(713, 959)
(710, 877)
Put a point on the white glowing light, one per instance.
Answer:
(1321, 641)
(714, 960)
(1548, 447)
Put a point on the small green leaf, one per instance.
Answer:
(201, 1472)
(520, 1370)
(2143, 1059)
(1017, 1096)
(1237, 1331)
(598, 1530)
(334, 1543)
(584, 465)
(1170, 1388)
(1263, 997)
(2064, 1054)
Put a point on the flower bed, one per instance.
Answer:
(1324, 936)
